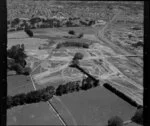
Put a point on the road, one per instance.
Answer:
(101, 37)
(51, 106)
(56, 98)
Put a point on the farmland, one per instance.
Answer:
(112, 53)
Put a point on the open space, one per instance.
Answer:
(112, 49)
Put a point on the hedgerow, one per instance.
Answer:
(73, 44)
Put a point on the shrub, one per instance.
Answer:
(80, 35)
(78, 56)
(86, 85)
(27, 71)
(138, 116)
(115, 121)
(95, 84)
(71, 32)
(9, 101)
(15, 22)
(28, 32)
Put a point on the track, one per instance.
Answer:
(101, 37)
(51, 106)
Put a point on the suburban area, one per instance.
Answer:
(75, 62)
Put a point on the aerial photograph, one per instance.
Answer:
(75, 63)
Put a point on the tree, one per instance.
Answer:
(75, 61)
(61, 90)
(16, 59)
(10, 63)
(15, 22)
(9, 101)
(138, 116)
(27, 71)
(71, 32)
(18, 99)
(18, 68)
(17, 53)
(28, 32)
(115, 121)
(78, 56)
(80, 35)
(95, 84)
(85, 84)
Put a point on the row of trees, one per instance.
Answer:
(38, 22)
(73, 44)
(16, 59)
(70, 87)
(31, 97)
(120, 94)
(47, 93)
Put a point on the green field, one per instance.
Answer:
(93, 107)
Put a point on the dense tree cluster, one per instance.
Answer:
(115, 121)
(31, 97)
(138, 116)
(73, 44)
(17, 53)
(16, 59)
(70, 87)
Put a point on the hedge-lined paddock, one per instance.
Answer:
(120, 94)
(31, 97)
(47, 93)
